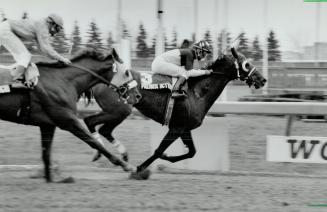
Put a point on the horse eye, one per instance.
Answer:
(127, 73)
(246, 66)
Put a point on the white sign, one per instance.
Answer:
(298, 149)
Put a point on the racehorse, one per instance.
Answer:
(188, 113)
(52, 103)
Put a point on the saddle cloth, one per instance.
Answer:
(152, 81)
(7, 73)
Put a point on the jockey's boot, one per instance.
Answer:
(19, 81)
(179, 90)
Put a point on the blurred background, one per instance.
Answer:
(286, 40)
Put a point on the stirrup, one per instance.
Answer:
(179, 94)
(20, 84)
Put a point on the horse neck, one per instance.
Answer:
(214, 85)
(85, 80)
(76, 78)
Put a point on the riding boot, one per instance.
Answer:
(19, 81)
(179, 90)
(19, 73)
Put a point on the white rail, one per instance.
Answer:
(270, 108)
(259, 108)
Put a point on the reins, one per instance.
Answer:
(91, 72)
(120, 90)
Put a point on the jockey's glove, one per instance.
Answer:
(66, 61)
(197, 72)
(208, 72)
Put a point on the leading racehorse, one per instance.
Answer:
(52, 103)
(187, 115)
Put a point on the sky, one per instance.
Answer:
(294, 21)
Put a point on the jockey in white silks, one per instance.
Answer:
(12, 32)
(179, 63)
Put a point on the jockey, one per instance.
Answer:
(12, 32)
(179, 63)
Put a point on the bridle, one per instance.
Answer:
(250, 72)
(238, 75)
(122, 90)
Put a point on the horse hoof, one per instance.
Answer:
(142, 175)
(125, 157)
(67, 180)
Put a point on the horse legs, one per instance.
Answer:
(71, 124)
(47, 133)
(110, 121)
(188, 141)
(106, 131)
(169, 138)
(66, 119)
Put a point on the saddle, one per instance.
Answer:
(152, 81)
(6, 77)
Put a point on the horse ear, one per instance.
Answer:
(234, 52)
(127, 73)
(114, 53)
(116, 56)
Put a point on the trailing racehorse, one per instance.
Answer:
(52, 103)
(188, 113)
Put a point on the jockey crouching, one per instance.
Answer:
(11, 33)
(179, 63)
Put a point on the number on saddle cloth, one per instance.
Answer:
(151, 81)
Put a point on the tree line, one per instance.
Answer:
(63, 44)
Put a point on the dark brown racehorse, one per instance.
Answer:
(53, 101)
(188, 114)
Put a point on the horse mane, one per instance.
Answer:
(98, 55)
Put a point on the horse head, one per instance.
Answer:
(123, 82)
(109, 66)
(242, 69)
(247, 72)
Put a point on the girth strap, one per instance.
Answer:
(24, 111)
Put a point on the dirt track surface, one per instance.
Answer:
(100, 187)
(113, 191)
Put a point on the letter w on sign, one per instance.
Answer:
(305, 146)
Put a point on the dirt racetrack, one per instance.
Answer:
(102, 187)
